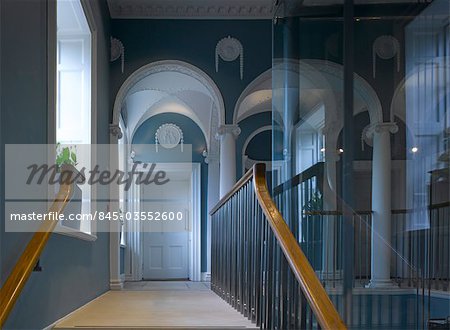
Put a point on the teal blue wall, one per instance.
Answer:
(194, 41)
(260, 147)
(74, 271)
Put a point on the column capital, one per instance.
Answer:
(370, 130)
(389, 127)
(228, 129)
(114, 130)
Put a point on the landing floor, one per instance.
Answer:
(157, 305)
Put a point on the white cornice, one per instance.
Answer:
(191, 9)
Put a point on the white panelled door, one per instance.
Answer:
(166, 242)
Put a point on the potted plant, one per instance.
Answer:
(66, 156)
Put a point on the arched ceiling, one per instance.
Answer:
(172, 92)
(316, 82)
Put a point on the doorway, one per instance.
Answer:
(170, 249)
(166, 242)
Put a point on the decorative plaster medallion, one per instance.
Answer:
(229, 49)
(169, 136)
(117, 51)
(385, 47)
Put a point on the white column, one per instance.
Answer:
(115, 281)
(134, 234)
(329, 260)
(213, 198)
(227, 135)
(381, 204)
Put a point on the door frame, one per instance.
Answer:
(135, 241)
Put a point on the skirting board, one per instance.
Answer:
(206, 277)
(116, 284)
(51, 326)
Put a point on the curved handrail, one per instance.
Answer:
(238, 185)
(11, 289)
(324, 310)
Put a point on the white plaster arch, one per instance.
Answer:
(261, 83)
(321, 74)
(324, 79)
(247, 141)
(331, 74)
(168, 66)
(171, 105)
(398, 102)
(202, 84)
(253, 134)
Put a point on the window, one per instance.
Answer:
(73, 111)
(73, 115)
(427, 115)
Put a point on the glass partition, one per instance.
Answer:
(361, 116)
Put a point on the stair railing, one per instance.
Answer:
(257, 265)
(11, 289)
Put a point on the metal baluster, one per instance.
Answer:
(446, 216)
(303, 310)
(230, 253)
(358, 249)
(259, 283)
(247, 253)
(234, 246)
(268, 277)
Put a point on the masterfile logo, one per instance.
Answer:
(142, 184)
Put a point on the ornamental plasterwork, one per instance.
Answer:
(309, 68)
(169, 136)
(370, 130)
(214, 146)
(114, 129)
(217, 106)
(385, 47)
(117, 51)
(173, 67)
(229, 49)
(228, 129)
(190, 9)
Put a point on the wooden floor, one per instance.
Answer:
(157, 305)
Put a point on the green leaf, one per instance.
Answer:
(66, 154)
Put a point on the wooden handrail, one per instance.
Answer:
(336, 213)
(315, 170)
(238, 185)
(11, 289)
(324, 310)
